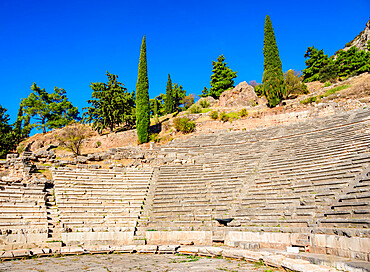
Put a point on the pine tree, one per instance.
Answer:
(274, 87)
(170, 102)
(49, 110)
(111, 105)
(222, 77)
(142, 98)
(204, 92)
(316, 60)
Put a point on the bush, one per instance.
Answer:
(21, 148)
(214, 115)
(204, 103)
(243, 113)
(72, 137)
(309, 100)
(153, 137)
(195, 108)
(258, 90)
(184, 125)
(327, 84)
(224, 117)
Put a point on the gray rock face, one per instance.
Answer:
(44, 154)
(241, 96)
(210, 100)
(12, 179)
(361, 41)
(11, 156)
(81, 159)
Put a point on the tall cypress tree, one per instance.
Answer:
(142, 98)
(170, 102)
(274, 87)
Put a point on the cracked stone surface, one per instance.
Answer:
(130, 262)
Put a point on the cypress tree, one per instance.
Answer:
(18, 125)
(170, 103)
(142, 98)
(274, 87)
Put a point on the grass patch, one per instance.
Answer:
(334, 90)
(233, 115)
(308, 100)
(205, 110)
(190, 258)
(46, 172)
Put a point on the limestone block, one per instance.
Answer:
(7, 254)
(253, 256)
(124, 249)
(20, 253)
(233, 253)
(36, 251)
(146, 248)
(71, 250)
(175, 237)
(188, 250)
(274, 260)
(167, 248)
(215, 251)
(299, 265)
(97, 248)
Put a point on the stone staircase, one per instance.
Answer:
(54, 228)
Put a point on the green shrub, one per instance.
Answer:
(224, 117)
(214, 115)
(98, 143)
(327, 84)
(205, 110)
(204, 103)
(243, 113)
(309, 100)
(183, 124)
(21, 148)
(153, 137)
(195, 108)
(233, 115)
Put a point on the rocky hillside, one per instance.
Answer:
(361, 39)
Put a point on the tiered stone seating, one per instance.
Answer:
(352, 206)
(286, 176)
(100, 200)
(23, 219)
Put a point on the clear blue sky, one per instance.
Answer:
(70, 44)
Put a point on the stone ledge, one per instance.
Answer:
(269, 258)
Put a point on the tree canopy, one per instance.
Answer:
(294, 84)
(7, 141)
(222, 78)
(347, 63)
(48, 110)
(315, 61)
(274, 87)
(111, 105)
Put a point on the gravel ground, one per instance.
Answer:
(130, 262)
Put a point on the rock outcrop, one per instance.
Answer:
(361, 40)
(241, 96)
